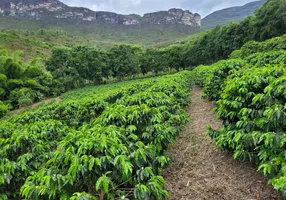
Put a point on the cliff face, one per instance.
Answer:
(174, 16)
(56, 10)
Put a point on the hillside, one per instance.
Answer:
(28, 49)
(107, 27)
(39, 43)
(31, 44)
(235, 14)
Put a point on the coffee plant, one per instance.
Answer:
(105, 146)
(215, 82)
(250, 100)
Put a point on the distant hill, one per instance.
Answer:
(235, 14)
(108, 27)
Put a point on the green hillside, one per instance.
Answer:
(28, 49)
(233, 14)
(105, 35)
(40, 42)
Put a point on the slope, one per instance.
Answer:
(107, 27)
(235, 14)
(105, 35)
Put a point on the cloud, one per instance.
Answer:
(203, 7)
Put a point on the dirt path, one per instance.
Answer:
(57, 99)
(35, 105)
(199, 171)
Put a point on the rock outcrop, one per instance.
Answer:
(174, 16)
(56, 10)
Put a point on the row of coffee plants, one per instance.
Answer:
(109, 146)
(250, 100)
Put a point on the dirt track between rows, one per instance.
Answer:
(199, 170)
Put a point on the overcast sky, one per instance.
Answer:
(203, 7)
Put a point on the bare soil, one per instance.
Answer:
(46, 101)
(198, 170)
(57, 99)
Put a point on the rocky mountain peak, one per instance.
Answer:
(59, 12)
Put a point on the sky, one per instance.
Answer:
(203, 7)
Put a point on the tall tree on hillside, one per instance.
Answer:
(124, 60)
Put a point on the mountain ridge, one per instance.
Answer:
(225, 16)
(62, 13)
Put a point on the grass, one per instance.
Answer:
(26, 48)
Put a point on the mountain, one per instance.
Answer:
(235, 14)
(107, 27)
(60, 12)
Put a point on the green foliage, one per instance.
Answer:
(219, 42)
(3, 109)
(252, 108)
(251, 47)
(270, 20)
(123, 60)
(214, 84)
(22, 84)
(106, 146)
(96, 33)
(266, 58)
(233, 14)
(200, 74)
(81, 65)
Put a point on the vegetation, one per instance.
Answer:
(233, 14)
(248, 89)
(251, 47)
(109, 141)
(25, 48)
(107, 146)
(251, 104)
(106, 35)
(22, 84)
(220, 42)
(84, 65)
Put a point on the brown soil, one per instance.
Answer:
(57, 99)
(19, 110)
(200, 171)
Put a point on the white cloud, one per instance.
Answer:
(203, 7)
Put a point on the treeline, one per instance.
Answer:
(269, 21)
(82, 65)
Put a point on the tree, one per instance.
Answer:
(124, 60)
